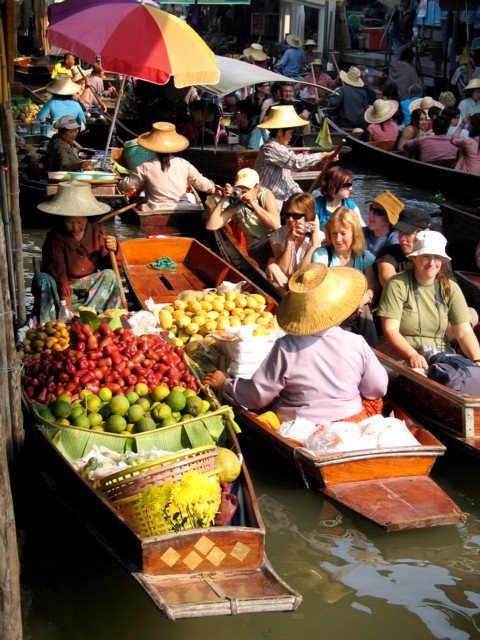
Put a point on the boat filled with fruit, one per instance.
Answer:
(131, 440)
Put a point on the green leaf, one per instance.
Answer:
(87, 317)
(214, 426)
(115, 323)
(197, 433)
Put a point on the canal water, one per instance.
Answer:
(357, 581)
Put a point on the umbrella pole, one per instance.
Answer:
(112, 124)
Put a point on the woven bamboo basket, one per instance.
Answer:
(134, 480)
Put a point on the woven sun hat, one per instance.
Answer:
(473, 84)
(282, 117)
(411, 220)
(247, 178)
(429, 243)
(77, 74)
(317, 62)
(163, 138)
(310, 43)
(66, 122)
(293, 41)
(62, 85)
(353, 77)
(424, 103)
(74, 199)
(320, 298)
(380, 111)
(392, 206)
(256, 52)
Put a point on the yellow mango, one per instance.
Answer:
(192, 328)
(165, 319)
(184, 321)
(241, 300)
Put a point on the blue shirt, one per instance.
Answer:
(291, 63)
(360, 262)
(324, 214)
(405, 104)
(56, 109)
(374, 244)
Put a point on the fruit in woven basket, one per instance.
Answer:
(161, 411)
(135, 413)
(60, 408)
(228, 465)
(176, 400)
(194, 406)
(116, 424)
(145, 424)
(160, 392)
(119, 405)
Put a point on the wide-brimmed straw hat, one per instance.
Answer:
(256, 52)
(429, 243)
(74, 199)
(163, 138)
(294, 41)
(282, 117)
(310, 43)
(247, 178)
(77, 74)
(473, 84)
(392, 206)
(411, 220)
(62, 85)
(381, 111)
(424, 103)
(353, 77)
(320, 298)
(317, 62)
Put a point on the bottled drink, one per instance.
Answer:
(64, 315)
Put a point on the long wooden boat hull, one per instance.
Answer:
(171, 223)
(460, 184)
(196, 573)
(470, 285)
(461, 227)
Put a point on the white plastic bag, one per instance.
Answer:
(299, 429)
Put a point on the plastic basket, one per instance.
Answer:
(134, 480)
(142, 519)
(134, 154)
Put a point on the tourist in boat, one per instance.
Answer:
(275, 161)
(253, 207)
(246, 118)
(453, 113)
(75, 255)
(291, 63)
(299, 234)
(414, 93)
(255, 54)
(350, 101)
(420, 304)
(166, 178)
(201, 128)
(469, 157)
(259, 95)
(317, 371)
(62, 102)
(336, 188)
(318, 77)
(275, 97)
(64, 67)
(436, 149)
(402, 71)
(382, 126)
(383, 214)
(62, 149)
(87, 98)
(416, 129)
(447, 99)
(471, 104)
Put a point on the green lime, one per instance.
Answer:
(60, 408)
(160, 393)
(145, 424)
(81, 421)
(141, 388)
(194, 405)
(135, 413)
(95, 419)
(132, 397)
(116, 424)
(119, 405)
(93, 403)
(84, 393)
(65, 397)
(176, 400)
(77, 410)
(144, 402)
(179, 388)
(161, 411)
(105, 394)
(168, 422)
(189, 392)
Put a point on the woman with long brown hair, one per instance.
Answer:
(336, 187)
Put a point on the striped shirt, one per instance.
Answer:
(274, 164)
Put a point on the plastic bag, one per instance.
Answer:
(299, 429)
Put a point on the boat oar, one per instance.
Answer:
(112, 214)
(327, 166)
(113, 260)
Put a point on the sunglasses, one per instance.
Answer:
(347, 185)
(377, 212)
(291, 214)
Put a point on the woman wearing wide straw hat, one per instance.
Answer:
(255, 54)
(166, 178)
(75, 255)
(351, 100)
(275, 161)
(62, 102)
(420, 304)
(380, 116)
(471, 104)
(317, 370)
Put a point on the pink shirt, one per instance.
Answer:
(469, 159)
(385, 131)
(320, 377)
(433, 148)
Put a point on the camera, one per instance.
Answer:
(308, 230)
(236, 196)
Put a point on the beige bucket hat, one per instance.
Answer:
(62, 85)
(310, 43)
(381, 111)
(255, 52)
(74, 199)
(163, 138)
(473, 84)
(294, 41)
(392, 206)
(424, 103)
(318, 62)
(353, 77)
(77, 74)
(320, 298)
(247, 178)
(282, 117)
(430, 243)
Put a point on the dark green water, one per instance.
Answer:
(357, 581)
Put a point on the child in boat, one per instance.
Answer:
(317, 371)
(75, 256)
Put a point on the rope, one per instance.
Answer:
(163, 264)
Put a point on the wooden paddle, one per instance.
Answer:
(112, 214)
(327, 166)
(113, 260)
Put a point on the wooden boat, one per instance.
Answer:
(219, 570)
(34, 71)
(198, 268)
(459, 184)
(390, 487)
(469, 283)
(461, 227)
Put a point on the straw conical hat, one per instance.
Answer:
(74, 199)
(63, 85)
(381, 111)
(256, 52)
(163, 138)
(77, 74)
(320, 298)
(282, 117)
(473, 84)
(353, 77)
(424, 103)
(293, 41)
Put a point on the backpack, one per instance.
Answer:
(456, 372)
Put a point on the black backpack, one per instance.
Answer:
(456, 372)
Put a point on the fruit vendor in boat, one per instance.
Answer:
(317, 371)
(165, 179)
(421, 308)
(61, 153)
(62, 103)
(75, 256)
(275, 161)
